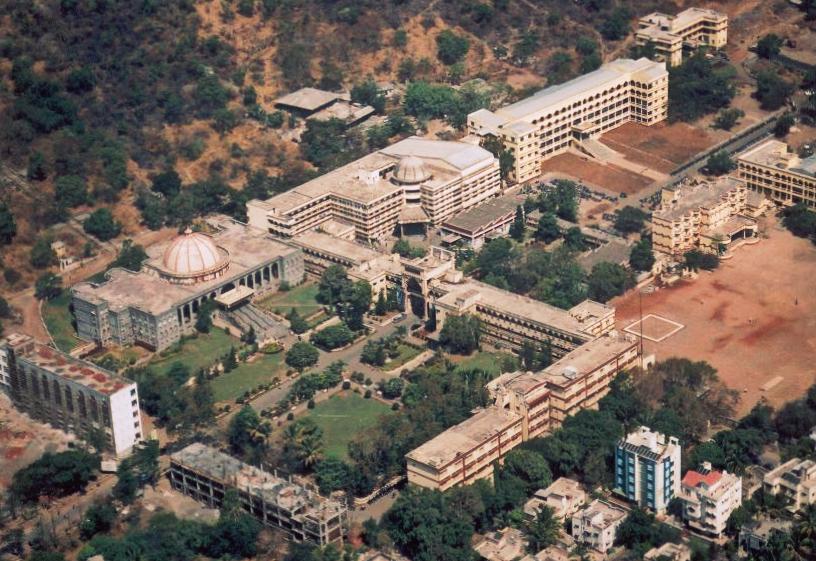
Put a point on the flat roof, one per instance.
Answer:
(331, 245)
(693, 197)
(343, 110)
(615, 251)
(588, 357)
(774, 153)
(464, 437)
(308, 99)
(483, 215)
(609, 514)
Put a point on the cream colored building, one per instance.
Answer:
(709, 497)
(507, 544)
(795, 480)
(416, 181)
(597, 524)
(709, 216)
(782, 176)
(565, 496)
(565, 115)
(669, 552)
(691, 28)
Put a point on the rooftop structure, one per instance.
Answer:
(414, 181)
(551, 553)
(488, 220)
(596, 525)
(507, 544)
(795, 480)
(709, 497)
(782, 176)
(647, 468)
(753, 537)
(321, 105)
(669, 552)
(565, 496)
(615, 251)
(691, 28)
(558, 117)
(205, 474)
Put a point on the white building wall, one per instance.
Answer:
(5, 373)
(126, 419)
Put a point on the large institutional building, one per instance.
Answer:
(709, 497)
(558, 117)
(205, 474)
(647, 469)
(709, 216)
(785, 178)
(158, 305)
(691, 28)
(416, 181)
(525, 405)
(71, 394)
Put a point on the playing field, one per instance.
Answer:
(662, 147)
(342, 417)
(489, 362)
(608, 177)
(248, 376)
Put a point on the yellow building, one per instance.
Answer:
(558, 117)
(691, 28)
(782, 176)
(710, 216)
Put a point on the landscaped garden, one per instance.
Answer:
(201, 351)
(406, 353)
(248, 376)
(489, 362)
(59, 321)
(303, 298)
(342, 417)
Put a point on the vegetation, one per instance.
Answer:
(167, 396)
(608, 280)
(102, 225)
(642, 258)
(54, 476)
(333, 337)
(460, 334)
(404, 248)
(697, 88)
(342, 418)
(800, 221)
(720, 163)
(301, 356)
(783, 125)
(696, 260)
(351, 300)
(450, 47)
(769, 46)
(48, 287)
(772, 90)
(727, 119)
(630, 220)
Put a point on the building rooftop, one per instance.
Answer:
(774, 153)
(560, 495)
(601, 514)
(325, 243)
(795, 472)
(308, 99)
(345, 111)
(681, 21)
(484, 215)
(584, 359)
(464, 437)
(651, 444)
(693, 197)
(506, 545)
(668, 552)
(764, 528)
(551, 553)
(614, 251)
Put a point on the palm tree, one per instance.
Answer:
(542, 531)
(305, 440)
(805, 533)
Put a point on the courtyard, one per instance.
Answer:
(753, 319)
(59, 321)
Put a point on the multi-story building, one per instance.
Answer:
(647, 469)
(522, 408)
(565, 496)
(158, 305)
(415, 181)
(669, 552)
(710, 216)
(691, 28)
(479, 224)
(782, 176)
(597, 524)
(795, 480)
(72, 394)
(709, 497)
(559, 117)
(205, 474)
(508, 544)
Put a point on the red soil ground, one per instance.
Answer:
(661, 147)
(609, 177)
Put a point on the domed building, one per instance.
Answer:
(158, 305)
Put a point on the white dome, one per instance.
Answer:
(192, 253)
(410, 170)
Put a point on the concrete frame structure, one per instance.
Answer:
(647, 469)
(158, 305)
(669, 552)
(702, 215)
(415, 181)
(597, 524)
(205, 474)
(491, 219)
(559, 117)
(795, 480)
(691, 28)
(71, 394)
(709, 497)
(769, 168)
(565, 496)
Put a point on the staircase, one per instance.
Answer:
(266, 326)
(597, 150)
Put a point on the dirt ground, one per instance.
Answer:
(753, 319)
(662, 146)
(608, 177)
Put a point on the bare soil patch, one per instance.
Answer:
(609, 177)
(662, 146)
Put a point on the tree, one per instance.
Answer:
(696, 88)
(783, 125)
(616, 25)
(168, 183)
(404, 248)
(42, 255)
(392, 388)
(772, 91)
(542, 531)
(101, 224)
(728, 118)
(303, 443)
(332, 474)
(769, 46)
(302, 355)
(126, 485)
(8, 227)
(243, 432)
(381, 307)
(696, 260)
(373, 353)
(547, 230)
(203, 322)
(130, 256)
(450, 47)
(71, 191)
(460, 334)
(574, 239)
(48, 286)
(530, 467)
(36, 167)
(629, 220)
(608, 280)
(517, 227)
(800, 220)
(54, 475)
(642, 258)
(296, 323)
(355, 301)
(333, 282)
(333, 337)
(720, 163)
(368, 93)
(506, 158)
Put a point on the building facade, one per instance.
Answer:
(597, 524)
(782, 176)
(709, 497)
(669, 552)
(562, 116)
(647, 469)
(709, 216)
(690, 29)
(158, 305)
(413, 182)
(71, 394)
(565, 496)
(795, 480)
(205, 474)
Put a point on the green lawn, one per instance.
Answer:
(342, 417)
(199, 352)
(489, 362)
(407, 352)
(248, 376)
(58, 320)
(303, 297)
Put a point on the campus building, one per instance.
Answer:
(647, 469)
(782, 176)
(565, 496)
(320, 105)
(524, 405)
(669, 552)
(709, 216)
(690, 29)
(576, 112)
(596, 525)
(158, 305)
(71, 394)
(415, 182)
(205, 474)
(482, 223)
(709, 497)
(795, 480)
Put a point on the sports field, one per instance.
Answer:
(342, 417)
(662, 147)
(611, 178)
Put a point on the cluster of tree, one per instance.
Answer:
(435, 101)
(460, 334)
(296, 322)
(772, 90)
(535, 358)
(302, 445)
(561, 199)
(351, 300)
(391, 388)
(450, 47)
(308, 385)
(641, 257)
(800, 221)
(136, 471)
(696, 260)
(102, 225)
(404, 248)
(697, 88)
(640, 532)
(377, 352)
(727, 119)
(630, 220)
(302, 355)
(53, 476)
(387, 302)
(333, 337)
(720, 163)
(247, 434)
